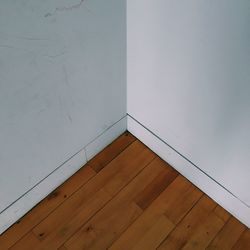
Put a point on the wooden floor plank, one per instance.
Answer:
(166, 202)
(127, 199)
(154, 189)
(204, 233)
(108, 224)
(189, 225)
(111, 151)
(99, 235)
(92, 197)
(62, 248)
(155, 235)
(137, 231)
(244, 241)
(29, 242)
(43, 209)
(228, 236)
(221, 213)
(81, 198)
(182, 197)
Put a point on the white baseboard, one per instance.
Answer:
(61, 174)
(192, 173)
(56, 178)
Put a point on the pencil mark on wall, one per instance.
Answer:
(65, 75)
(76, 6)
(29, 38)
(42, 47)
(70, 118)
(56, 55)
(41, 111)
(67, 83)
(60, 104)
(48, 15)
(13, 47)
(65, 8)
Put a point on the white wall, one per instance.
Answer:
(188, 82)
(62, 83)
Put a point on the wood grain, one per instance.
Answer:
(76, 211)
(180, 197)
(154, 189)
(62, 248)
(116, 216)
(244, 241)
(111, 151)
(155, 235)
(43, 209)
(190, 225)
(88, 194)
(228, 236)
(127, 198)
(222, 213)
(29, 242)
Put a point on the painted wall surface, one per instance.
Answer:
(62, 83)
(189, 82)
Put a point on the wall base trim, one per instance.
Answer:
(184, 167)
(26, 202)
(18, 209)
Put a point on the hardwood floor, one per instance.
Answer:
(127, 198)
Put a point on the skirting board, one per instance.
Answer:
(193, 174)
(60, 175)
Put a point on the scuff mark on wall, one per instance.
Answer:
(76, 6)
(65, 75)
(8, 35)
(70, 118)
(13, 47)
(65, 8)
(48, 15)
(70, 99)
(48, 47)
(56, 55)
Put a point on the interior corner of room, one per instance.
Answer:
(75, 77)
